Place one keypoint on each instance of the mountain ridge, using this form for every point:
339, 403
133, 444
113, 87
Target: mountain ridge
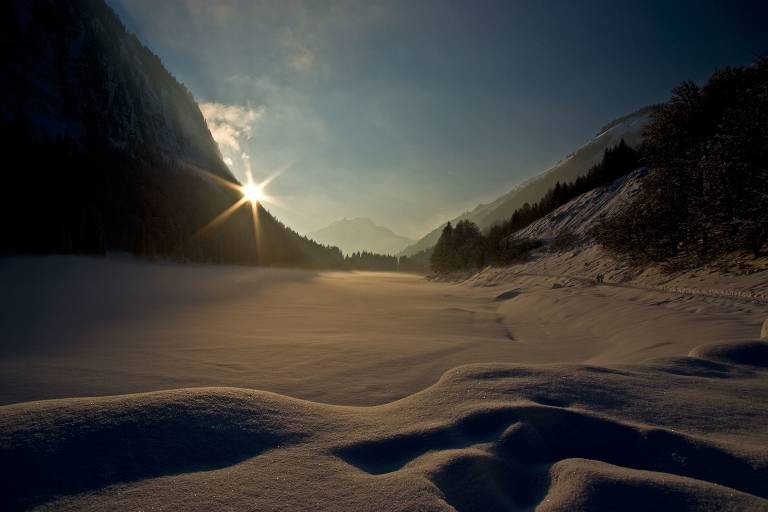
533, 188
360, 234
108, 151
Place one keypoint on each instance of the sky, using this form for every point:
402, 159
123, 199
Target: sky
410, 112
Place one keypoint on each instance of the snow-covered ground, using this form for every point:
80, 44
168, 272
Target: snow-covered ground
287, 390
737, 276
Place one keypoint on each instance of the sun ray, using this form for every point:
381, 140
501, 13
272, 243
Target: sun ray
277, 173
212, 177
251, 191
220, 218
257, 229
272, 200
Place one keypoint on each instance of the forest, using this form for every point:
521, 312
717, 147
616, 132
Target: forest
103, 148
705, 193
464, 247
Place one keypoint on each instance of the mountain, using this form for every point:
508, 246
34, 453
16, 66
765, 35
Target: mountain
360, 234
104, 150
581, 214
576, 164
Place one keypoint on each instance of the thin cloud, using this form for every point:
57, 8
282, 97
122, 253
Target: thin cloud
231, 126
300, 55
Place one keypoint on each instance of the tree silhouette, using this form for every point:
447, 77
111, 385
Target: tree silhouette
707, 190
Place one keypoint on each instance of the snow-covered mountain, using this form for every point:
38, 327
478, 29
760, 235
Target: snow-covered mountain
576, 164
582, 213
360, 234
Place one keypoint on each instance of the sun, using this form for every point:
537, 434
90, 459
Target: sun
253, 192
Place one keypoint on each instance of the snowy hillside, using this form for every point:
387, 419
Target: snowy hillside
577, 164
579, 215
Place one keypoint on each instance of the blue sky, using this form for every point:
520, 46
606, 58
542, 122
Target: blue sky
410, 112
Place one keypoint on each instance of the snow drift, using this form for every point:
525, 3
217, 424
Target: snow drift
485, 437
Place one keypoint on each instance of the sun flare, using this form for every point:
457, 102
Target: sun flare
250, 192
253, 192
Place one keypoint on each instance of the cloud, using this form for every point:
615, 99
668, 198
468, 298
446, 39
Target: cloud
231, 126
299, 56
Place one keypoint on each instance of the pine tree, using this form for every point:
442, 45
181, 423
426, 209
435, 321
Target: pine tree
705, 194
442, 255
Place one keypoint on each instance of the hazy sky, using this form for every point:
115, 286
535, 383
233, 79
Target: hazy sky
412, 112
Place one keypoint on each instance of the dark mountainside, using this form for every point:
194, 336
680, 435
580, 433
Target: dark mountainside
573, 166
105, 150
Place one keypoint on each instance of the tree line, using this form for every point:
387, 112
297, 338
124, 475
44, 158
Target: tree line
706, 192
365, 260
464, 247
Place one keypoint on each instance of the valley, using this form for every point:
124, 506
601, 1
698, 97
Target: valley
235, 275
284, 389
351, 338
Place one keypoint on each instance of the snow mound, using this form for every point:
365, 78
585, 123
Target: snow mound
484, 437
76, 445
752, 353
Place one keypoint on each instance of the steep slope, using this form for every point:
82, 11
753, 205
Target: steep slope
360, 234
579, 260
104, 148
76, 74
579, 215
577, 164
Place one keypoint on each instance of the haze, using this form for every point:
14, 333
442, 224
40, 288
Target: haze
411, 112
271, 255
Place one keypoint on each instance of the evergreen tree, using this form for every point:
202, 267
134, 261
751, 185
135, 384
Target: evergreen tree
442, 255
419, 262
464, 247
706, 192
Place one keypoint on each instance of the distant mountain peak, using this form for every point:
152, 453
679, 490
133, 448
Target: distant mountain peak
360, 234
355, 220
